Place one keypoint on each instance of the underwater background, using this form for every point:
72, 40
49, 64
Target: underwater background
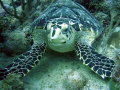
57, 71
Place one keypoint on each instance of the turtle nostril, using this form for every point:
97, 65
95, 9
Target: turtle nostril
66, 30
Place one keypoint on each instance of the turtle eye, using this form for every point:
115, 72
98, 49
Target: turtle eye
66, 30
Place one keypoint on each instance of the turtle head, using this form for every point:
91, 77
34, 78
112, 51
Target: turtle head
60, 34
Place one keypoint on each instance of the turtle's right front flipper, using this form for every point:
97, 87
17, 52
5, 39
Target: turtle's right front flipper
25, 62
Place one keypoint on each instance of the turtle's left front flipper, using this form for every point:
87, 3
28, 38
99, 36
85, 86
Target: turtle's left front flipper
97, 62
25, 62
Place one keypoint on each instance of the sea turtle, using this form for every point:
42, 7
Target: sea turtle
67, 26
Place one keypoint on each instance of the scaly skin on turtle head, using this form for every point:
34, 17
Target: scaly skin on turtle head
61, 35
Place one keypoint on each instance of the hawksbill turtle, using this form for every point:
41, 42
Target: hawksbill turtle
67, 26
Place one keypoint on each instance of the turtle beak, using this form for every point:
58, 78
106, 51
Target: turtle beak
56, 36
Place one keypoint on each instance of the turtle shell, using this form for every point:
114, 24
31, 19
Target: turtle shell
72, 11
